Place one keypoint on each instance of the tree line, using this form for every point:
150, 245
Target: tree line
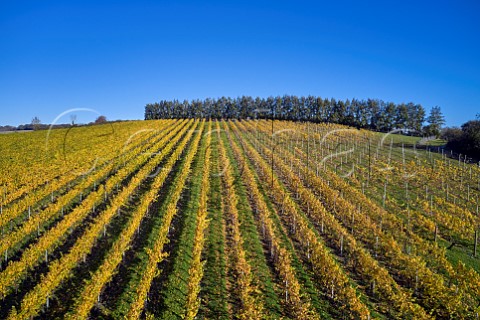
373, 114
37, 124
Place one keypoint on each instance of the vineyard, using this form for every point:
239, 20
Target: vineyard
251, 219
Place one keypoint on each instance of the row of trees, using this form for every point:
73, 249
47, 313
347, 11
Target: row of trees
37, 124
373, 114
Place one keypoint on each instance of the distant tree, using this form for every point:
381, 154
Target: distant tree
73, 118
373, 113
420, 117
36, 123
436, 120
363, 114
101, 119
429, 131
416, 117
450, 133
352, 112
386, 119
319, 110
7, 128
334, 114
471, 134
469, 140
401, 116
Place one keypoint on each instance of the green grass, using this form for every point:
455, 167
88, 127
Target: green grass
436, 143
463, 254
397, 138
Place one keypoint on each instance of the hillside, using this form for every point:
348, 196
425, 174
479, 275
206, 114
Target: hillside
249, 219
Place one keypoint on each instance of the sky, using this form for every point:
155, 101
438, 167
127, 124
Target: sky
113, 57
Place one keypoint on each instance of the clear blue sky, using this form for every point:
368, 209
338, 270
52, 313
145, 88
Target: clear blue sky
116, 56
